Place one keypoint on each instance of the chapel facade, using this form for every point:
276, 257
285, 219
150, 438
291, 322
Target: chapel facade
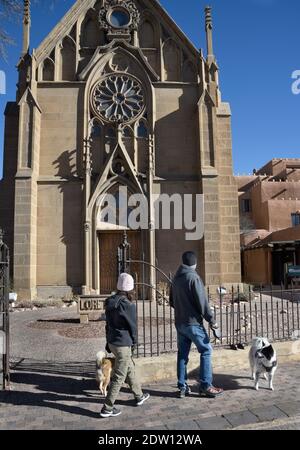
116, 95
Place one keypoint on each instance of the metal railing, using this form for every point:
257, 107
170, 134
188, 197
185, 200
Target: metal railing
272, 313
4, 313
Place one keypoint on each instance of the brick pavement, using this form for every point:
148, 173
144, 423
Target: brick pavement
64, 396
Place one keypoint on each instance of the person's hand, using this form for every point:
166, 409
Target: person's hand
133, 348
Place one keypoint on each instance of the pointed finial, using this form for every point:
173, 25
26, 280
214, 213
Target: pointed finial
209, 28
208, 18
26, 11
26, 27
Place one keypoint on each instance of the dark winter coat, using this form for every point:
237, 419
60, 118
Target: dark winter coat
120, 321
189, 299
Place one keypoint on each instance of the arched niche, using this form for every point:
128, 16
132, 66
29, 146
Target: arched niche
147, 38
48, 70
68, 59
128, 141
142, 133
172, 61
189, 72
142, 129
91, 36
97, 150
110, 140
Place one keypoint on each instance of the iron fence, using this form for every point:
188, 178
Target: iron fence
4, 313
272, 313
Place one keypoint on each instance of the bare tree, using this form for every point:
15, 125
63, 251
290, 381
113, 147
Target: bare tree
11, 10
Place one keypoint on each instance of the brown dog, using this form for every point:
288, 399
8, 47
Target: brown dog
104, 368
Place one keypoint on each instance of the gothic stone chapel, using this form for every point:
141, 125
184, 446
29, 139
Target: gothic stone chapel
116, 95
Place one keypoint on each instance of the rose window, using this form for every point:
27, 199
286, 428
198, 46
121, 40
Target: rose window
118, 98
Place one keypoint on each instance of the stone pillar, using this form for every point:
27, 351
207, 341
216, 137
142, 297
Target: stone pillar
210, 245
87, 224
25, 238
151, 173
228, 201
25, 221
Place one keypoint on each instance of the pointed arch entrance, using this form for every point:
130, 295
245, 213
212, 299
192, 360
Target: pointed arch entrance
110, 237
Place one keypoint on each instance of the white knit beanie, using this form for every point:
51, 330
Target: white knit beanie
125, 283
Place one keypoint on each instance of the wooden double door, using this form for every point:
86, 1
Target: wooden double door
108, 244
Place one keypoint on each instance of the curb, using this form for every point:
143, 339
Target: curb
163, 367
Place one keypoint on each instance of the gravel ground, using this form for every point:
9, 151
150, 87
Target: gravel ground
46, 343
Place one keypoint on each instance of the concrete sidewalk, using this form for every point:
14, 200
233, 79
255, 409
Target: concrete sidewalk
64, 396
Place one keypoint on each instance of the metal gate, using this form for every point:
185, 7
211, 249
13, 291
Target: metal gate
156, 331
4, 312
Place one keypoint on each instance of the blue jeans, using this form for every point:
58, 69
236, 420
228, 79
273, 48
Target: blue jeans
186, 334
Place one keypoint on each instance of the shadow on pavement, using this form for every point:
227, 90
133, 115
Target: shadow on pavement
228, 382
62, 387
67, 386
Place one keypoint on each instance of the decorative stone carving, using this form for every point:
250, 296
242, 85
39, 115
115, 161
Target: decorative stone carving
119, 18
119, 63
118, 99
87, 227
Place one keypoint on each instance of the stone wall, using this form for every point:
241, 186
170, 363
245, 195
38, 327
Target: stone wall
7, 187
59, 237
176, 132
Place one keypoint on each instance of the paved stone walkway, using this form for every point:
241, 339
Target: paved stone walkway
64, 396
51, 391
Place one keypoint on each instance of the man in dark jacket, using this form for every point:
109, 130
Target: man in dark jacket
121, 332
189, 300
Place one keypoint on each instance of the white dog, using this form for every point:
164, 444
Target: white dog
263, 361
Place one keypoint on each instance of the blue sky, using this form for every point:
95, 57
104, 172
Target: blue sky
257, 48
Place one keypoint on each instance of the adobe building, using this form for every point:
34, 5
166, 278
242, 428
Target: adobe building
269, 204
116, 95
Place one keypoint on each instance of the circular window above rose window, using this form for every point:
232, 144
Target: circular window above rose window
118, 99
119, 18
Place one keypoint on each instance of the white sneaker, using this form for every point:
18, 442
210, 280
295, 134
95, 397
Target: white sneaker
110, 412
140, 401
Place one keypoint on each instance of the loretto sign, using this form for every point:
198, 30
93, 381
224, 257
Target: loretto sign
90, 304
